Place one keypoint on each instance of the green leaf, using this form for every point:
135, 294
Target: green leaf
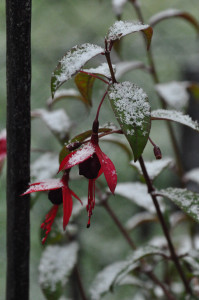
132, 110
118, 142
56, 265
187, 201
155, 167
126, 66
64, 94
57, 121
46, 166
72, 62
137, 193
192, 259
173, 13
140, 218
84, 82
121, 28
176, 116
115, 273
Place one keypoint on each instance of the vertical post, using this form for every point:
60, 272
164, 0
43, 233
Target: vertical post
18, 63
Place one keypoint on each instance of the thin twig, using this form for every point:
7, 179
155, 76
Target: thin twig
174, 257
79, 282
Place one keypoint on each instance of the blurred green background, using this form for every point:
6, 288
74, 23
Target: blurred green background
56, 27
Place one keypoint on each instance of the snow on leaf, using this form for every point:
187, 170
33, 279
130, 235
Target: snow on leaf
72, 62
173, 13
118, 6
56, 265
187, 201
155, 167
116, 273
137, 193
132, 110
121, 28
140, 218
192, 175
45, 166
126, 66
176, 116
57, 121
62, 94
104, 279
192, 260
174, 93
102, 69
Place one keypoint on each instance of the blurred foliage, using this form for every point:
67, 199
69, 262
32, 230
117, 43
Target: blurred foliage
56, 27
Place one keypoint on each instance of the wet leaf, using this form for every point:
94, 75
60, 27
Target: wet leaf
72, 62
121, 28
173, 13
132, 110
187, 201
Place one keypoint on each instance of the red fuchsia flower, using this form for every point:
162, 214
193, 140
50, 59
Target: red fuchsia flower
92, 163
59, 192
3, 147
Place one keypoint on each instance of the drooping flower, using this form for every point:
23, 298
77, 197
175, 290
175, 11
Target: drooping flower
59, 192
3, 147
92, 163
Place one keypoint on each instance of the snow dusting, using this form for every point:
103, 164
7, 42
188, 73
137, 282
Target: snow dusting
172, 12
155, 167
82, 154
137, 193
118, 6
174, 93
74, 60
176, 116
186, 200
192, 175
103, 281
126, 66
121, 28
48, 184
46, 166
130, 103
57, 121
103, 69
56, 265
3, 134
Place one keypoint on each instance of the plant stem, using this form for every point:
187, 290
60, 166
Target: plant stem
164, 106
108, 58
124, 232
93, 75
119, 225
174, 257
79, 282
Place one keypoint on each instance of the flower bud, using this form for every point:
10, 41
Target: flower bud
55, 196
157, 152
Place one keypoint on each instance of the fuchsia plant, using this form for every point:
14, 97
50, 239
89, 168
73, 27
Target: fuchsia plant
132, 110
